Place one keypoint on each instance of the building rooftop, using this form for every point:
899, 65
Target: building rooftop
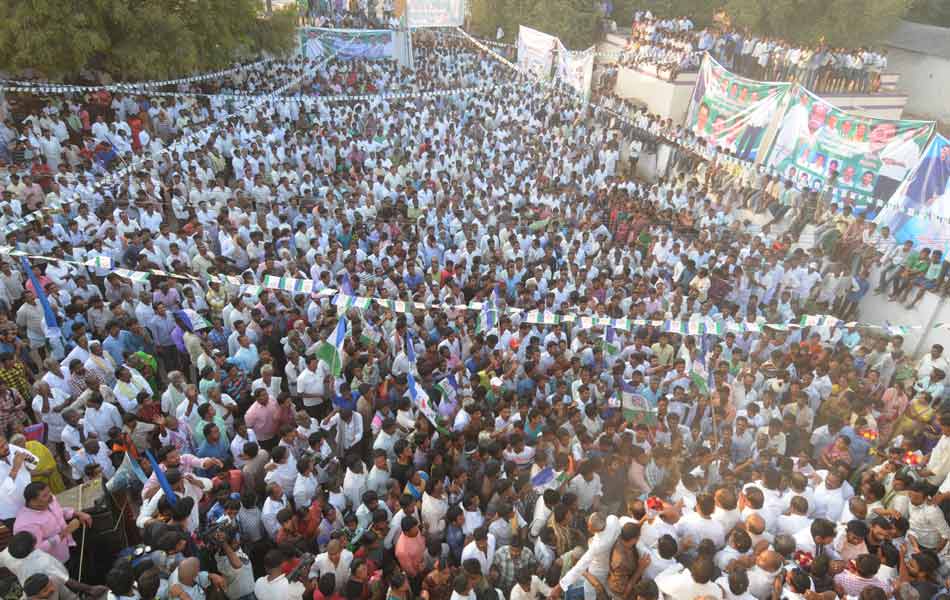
923, 39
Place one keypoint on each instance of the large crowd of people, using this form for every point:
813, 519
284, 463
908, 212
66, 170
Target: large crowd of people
437, 414
674, 45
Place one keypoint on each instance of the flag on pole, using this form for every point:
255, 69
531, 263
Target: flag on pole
420, 398
410, 348
191, 319
489, 317
611, 347
543, 477
52, 327
162, 480
331, 351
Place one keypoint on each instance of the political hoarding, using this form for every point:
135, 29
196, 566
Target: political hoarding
544, 56
731, 111
537, 52
367, 44
576, 69
870, 156
920, 208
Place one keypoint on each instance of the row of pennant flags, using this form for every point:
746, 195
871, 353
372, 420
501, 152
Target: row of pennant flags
697, 325
110, 180
345, 299
296, 97
496, 44
47, 87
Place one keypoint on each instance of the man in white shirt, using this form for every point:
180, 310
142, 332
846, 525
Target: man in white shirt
796, 520
15, 466
587, 487
699, 525
596, 560
275, 585
335, 560
695, 582
928, 526
938, 466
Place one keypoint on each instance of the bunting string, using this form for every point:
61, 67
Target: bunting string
49, 87
693, 325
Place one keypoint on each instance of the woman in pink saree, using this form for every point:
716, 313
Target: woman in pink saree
894, 402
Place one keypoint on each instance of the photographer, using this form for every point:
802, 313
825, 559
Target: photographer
234, 566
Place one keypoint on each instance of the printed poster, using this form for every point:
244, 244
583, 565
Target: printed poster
367, 44
537, 52
870, 156
920, 208
576, 69
731, 111
435, 13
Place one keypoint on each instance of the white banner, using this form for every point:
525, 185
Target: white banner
435, 13
577, 70
537, 51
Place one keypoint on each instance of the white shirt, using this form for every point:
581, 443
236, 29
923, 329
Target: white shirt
269, 515
792, 524
11, 489
98, 421
278, 589
586, 491
341, 570
194, 491
485, 559
696, 527
680, 585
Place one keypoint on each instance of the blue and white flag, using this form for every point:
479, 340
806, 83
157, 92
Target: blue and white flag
52, 326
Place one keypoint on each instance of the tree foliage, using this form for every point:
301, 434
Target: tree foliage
573, 21
838, 22
135, 39
931, 12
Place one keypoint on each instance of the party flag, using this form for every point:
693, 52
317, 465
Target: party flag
52, 327
331, 351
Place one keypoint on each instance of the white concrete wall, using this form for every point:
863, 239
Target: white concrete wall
669, 100
924, 79
931, 309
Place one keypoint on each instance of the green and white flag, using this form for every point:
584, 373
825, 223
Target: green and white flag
331, 351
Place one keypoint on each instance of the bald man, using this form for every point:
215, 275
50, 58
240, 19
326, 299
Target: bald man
188, 581
762, 575
755, 525
596, 560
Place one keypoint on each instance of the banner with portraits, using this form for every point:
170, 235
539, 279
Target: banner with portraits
366, 44
731, 111
920, 208
870, 157
435, 13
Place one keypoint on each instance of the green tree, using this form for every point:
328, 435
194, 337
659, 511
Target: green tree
136, 39
573, 21
931, 12
837, 22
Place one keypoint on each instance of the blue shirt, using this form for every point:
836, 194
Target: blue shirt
246, 358
161, 329
115, 348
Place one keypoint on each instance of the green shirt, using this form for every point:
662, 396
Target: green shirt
933, 271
